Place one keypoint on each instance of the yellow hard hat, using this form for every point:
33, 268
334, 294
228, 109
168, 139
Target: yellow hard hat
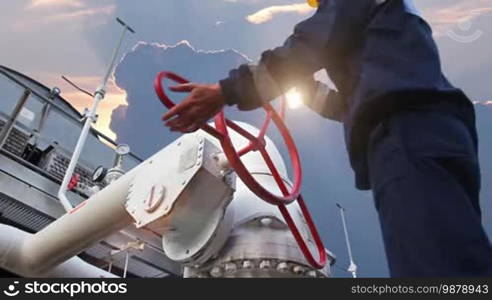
313, 3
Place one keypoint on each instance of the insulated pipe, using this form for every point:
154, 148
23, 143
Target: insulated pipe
101, 215
11, 259
53, 249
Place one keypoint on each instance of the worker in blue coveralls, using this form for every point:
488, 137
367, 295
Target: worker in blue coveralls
410, 133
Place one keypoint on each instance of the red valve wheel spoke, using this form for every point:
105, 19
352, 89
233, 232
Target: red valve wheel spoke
264, 128
276, 175
318, 264
241, 131
292, 225
247, 149
259, 144
254, 142
282, 107
248, 179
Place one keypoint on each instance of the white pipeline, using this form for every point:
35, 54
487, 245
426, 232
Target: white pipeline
53, 249
11, 259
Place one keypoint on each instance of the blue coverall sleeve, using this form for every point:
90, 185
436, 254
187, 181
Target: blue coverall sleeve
326, 102
316, 43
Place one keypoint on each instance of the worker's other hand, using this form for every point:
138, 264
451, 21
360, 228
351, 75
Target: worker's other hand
203, 102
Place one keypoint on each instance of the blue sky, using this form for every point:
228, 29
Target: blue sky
48, 38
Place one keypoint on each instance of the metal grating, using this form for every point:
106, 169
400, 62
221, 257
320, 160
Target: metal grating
143, 268
22, 214
17, 140
56, 164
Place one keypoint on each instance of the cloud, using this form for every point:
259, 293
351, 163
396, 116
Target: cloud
33, 4
267, 14
30, 23
448, 17
105, 110
114, 97
105, 10
135, 74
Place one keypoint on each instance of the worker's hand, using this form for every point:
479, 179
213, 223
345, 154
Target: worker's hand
203, 102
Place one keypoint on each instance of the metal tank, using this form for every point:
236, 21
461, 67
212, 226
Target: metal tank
260, 243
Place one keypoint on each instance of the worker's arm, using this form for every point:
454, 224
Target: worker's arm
318, 42
321, 41
326, 102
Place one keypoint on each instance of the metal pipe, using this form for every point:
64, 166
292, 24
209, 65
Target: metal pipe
76, 154
12, 259
7, 128
126, 264
44, 116
100, 216
90, 117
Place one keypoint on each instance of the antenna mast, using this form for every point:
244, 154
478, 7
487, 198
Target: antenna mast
90, 117
352, 267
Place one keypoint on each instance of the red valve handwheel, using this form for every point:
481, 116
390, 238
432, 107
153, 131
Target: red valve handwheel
258, 143
255, 144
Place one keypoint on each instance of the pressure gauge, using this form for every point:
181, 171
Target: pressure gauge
99, 174
122, 149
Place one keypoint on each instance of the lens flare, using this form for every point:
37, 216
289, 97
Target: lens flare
294, 99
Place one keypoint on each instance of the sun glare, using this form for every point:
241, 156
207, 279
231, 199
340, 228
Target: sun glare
294, 99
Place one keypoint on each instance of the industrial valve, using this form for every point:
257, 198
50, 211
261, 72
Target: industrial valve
257, 143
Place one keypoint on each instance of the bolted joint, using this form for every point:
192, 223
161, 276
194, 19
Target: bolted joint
283, 267
101, 92
230, 267
94, 118
298, 270
216, 272
265, 264
87, 114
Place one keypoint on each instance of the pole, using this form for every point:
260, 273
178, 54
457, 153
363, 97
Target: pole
4, 133
90, 118
352, 267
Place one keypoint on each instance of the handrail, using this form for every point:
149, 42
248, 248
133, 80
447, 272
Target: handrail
63, 110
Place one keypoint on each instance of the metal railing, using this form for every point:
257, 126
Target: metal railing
12, 122
62, 110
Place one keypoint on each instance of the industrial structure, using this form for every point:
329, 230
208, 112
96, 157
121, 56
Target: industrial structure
181, 212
